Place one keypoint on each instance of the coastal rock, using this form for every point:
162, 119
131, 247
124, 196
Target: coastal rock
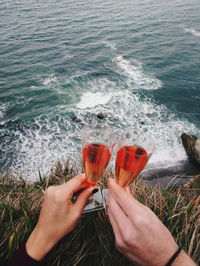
76, 119
192, 147
101, 116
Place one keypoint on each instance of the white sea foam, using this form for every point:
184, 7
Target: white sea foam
89, 99
129, 110
50, 79
110, 45
34, 87
193, 32
56, 136
3, 108
40, 148
135, 73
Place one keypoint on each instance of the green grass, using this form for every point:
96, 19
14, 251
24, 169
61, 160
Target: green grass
92, 241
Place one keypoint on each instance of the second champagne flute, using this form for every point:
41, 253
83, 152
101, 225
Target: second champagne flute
134, 151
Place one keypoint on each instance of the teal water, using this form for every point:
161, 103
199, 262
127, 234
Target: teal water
138, 62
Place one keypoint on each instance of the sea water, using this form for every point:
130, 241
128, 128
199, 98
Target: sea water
137, 62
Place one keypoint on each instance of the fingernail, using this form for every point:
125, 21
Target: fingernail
95, 190
76, 194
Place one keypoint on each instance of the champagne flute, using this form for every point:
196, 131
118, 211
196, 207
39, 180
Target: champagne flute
97, 146
134, 150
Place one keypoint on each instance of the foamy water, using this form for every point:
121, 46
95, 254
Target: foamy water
111, 45
50, 80
89, 99
3, 108
193, 32
135, 73
51, 139
138, 64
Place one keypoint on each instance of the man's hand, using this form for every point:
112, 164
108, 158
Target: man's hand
58, 215
139, 234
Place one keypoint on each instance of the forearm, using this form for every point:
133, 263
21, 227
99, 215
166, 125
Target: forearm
37, 245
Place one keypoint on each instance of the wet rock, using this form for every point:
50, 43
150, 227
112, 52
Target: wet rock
73, 117
101, 116
76, 119
192, 147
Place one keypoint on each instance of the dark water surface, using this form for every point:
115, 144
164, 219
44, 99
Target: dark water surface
136, 61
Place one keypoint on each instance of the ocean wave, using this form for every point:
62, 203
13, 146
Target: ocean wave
110, 45
38, 145
135, 73
126, 110
3, 108
89, 99
34, 87
193, 32
50, 79
119, 88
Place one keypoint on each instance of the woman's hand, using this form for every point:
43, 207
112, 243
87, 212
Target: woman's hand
139, 234
58, 215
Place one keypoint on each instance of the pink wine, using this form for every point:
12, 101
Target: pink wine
129, 163
95, 159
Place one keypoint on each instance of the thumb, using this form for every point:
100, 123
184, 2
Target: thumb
83, 197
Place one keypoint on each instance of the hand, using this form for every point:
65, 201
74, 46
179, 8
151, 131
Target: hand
58, 215
139, 234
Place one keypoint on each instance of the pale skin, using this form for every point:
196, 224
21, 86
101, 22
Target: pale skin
58, 216
139, 234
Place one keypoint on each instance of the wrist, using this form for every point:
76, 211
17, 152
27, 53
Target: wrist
38, 245
173, 257
163, 255
183, 259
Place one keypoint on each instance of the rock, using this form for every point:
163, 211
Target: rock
197, 149
76, 119
73, 117
101, 116
192, 147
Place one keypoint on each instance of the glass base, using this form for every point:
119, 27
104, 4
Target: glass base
96, 202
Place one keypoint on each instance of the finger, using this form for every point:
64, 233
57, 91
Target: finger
82, 198
119, 216
118, 237
76, 180
73, 185
78, 192
123, 198
80, 188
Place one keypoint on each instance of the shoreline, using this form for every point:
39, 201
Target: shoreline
180, 174
154, 174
